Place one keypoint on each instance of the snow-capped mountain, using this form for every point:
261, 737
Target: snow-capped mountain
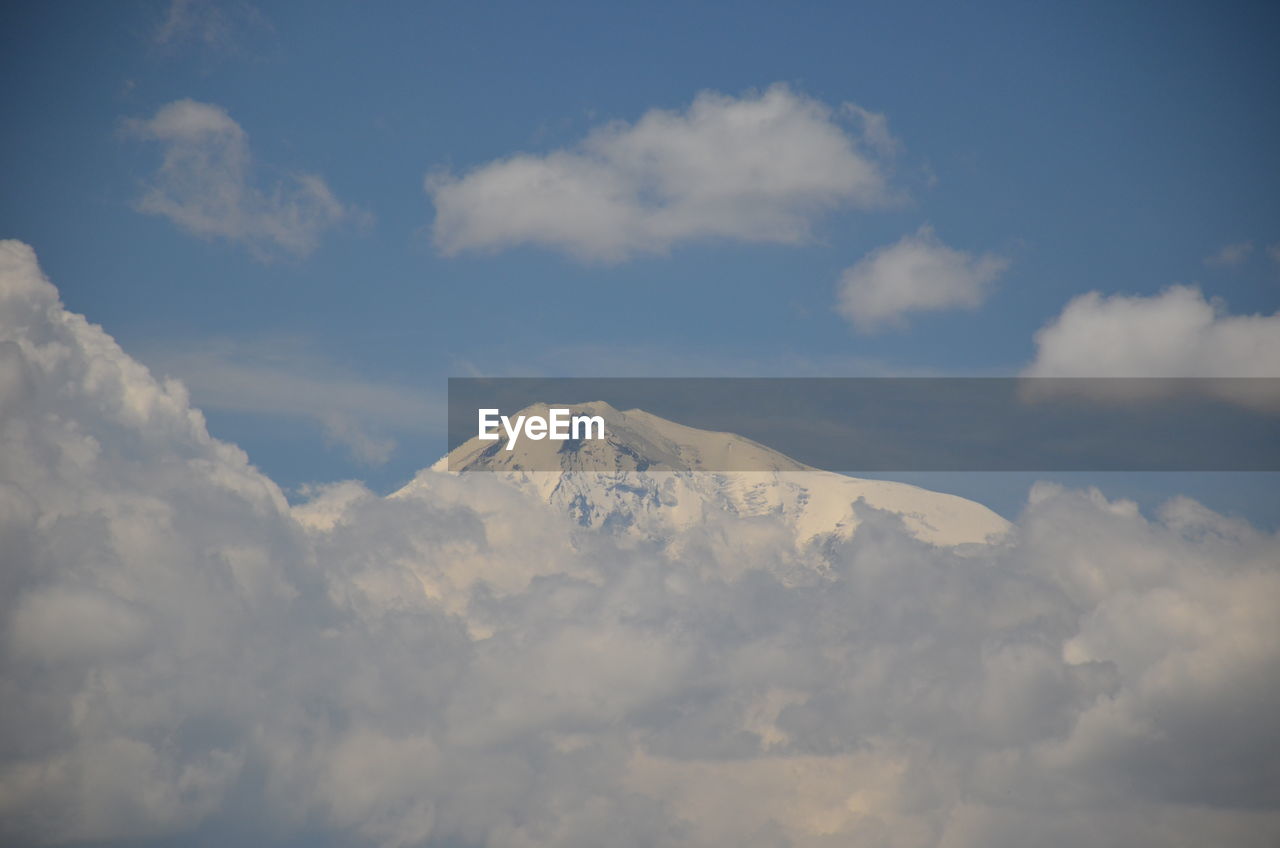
656, 490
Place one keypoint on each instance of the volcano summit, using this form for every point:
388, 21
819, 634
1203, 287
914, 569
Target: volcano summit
646, 477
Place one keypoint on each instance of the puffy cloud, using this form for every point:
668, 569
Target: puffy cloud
1231, 255
205, 185
185, 655
1177, 333
133, 545
761, 168
916, 273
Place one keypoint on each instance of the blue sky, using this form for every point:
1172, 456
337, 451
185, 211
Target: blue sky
310, 215
1117, 148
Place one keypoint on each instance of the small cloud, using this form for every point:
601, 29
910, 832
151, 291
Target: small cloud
1231, 256
205, 23
758, 168
917, 273
1273, 253
1176, 333
206, 185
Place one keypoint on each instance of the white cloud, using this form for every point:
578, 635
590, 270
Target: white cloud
916, 273
187, 658
1273, 251
1231, 255
1177, 333
206, 185
760, 168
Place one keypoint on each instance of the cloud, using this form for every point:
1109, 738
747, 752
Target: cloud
916, 273
284, 378
1231, 255
758, 168
206, 186
206, 24
1273, 251
186, 658
1176, 333
364, 448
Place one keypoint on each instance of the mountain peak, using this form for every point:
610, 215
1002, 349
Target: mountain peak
648, 477
634, 440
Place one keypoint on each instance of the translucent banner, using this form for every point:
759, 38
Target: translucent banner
865, 424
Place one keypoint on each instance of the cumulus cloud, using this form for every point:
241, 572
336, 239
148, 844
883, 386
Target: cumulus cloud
761, 168
1231, 255
914, 274
206, 185
1176, 333
186, 657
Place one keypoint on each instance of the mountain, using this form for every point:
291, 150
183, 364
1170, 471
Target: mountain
654, 487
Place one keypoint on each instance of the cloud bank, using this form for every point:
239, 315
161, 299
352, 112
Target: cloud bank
758, 168
206, 186
914, 274
187, 658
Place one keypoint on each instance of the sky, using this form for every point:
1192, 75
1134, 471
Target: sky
244, 245
314, 215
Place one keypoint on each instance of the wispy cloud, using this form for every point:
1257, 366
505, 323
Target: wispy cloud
915, 274
668, 359
761, 168
287, 379
206, 23
207, 185
1231, 255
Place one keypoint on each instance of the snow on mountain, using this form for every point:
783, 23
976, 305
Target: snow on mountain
656, 489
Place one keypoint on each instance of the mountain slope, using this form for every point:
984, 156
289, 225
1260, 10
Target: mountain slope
654, 487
